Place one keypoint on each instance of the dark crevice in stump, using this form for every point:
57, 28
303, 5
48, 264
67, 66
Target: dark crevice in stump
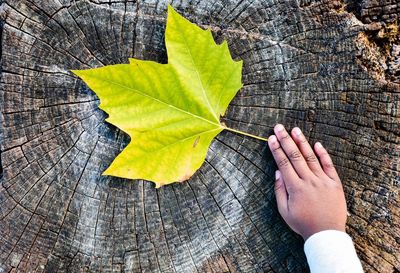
379, 44
368, 11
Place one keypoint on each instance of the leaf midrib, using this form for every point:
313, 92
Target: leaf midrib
200, 80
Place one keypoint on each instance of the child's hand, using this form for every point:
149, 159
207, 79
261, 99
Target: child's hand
310, 196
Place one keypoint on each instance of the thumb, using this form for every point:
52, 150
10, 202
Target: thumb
281, 194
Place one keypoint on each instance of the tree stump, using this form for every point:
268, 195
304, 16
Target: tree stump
329, 67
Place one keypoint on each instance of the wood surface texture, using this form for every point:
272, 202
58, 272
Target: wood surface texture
330, 67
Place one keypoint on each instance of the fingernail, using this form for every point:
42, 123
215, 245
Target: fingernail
318, 145
272, 139
297, 131
279, 127
277, 175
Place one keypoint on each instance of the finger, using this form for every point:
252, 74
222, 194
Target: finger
292, 152
307, 151
326, 162
284, 165
281, 194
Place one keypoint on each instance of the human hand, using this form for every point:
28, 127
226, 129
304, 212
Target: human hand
309, 194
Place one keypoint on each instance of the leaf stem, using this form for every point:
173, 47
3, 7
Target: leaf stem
244, 133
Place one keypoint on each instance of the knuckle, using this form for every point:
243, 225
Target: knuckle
314, 181
278, 186
295, 155
286, 136
276, 149
283, 162
303, 140
329, 165
293, 190
311, 158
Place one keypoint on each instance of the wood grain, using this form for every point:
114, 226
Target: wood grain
329, 67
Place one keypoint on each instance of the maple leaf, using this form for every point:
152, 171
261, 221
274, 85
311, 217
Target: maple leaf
171, 111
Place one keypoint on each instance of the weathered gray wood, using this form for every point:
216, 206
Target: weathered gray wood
330, 67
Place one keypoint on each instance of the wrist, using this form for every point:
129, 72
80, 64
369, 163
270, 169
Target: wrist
311, 231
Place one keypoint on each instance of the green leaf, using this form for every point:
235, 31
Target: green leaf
170, 111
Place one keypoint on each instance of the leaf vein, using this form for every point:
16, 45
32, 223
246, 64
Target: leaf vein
153, 98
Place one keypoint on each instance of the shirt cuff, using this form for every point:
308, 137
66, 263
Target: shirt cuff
331, 251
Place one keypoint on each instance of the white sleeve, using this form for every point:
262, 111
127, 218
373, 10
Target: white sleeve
332, 251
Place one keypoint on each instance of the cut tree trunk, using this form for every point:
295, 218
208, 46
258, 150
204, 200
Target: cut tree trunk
329, 67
